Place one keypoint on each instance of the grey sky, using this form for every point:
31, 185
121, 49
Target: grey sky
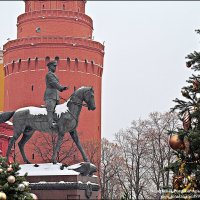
145, 48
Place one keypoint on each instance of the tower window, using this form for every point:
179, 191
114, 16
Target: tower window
33, 156
101, 71
38, 30
36, 62
47, 59
57, 58
63, 6
32, 87
43, 6
13, 65
19, 64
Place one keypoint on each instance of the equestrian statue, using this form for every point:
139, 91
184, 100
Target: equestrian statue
27, 120
59, 118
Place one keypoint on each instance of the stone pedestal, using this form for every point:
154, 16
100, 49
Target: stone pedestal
49, 183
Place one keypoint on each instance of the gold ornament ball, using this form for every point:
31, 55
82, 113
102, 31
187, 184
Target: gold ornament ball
175, 142
11, 179
34, 196
2, 196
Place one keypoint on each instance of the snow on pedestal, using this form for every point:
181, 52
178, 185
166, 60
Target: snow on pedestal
75, 166
46, 169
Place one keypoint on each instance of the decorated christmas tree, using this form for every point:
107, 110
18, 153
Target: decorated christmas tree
186, 141
13, 186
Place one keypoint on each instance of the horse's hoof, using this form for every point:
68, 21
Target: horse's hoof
54, 162
27, 162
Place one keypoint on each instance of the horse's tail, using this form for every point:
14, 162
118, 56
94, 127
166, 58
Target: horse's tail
5, 116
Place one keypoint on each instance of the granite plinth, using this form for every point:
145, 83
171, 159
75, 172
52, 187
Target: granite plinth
49, 182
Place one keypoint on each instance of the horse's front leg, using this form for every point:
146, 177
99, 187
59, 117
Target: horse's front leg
75, 137
57, 148
11, 143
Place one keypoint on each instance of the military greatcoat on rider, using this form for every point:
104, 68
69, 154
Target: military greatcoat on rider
51, 95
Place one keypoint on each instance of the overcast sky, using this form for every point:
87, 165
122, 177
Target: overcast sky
145, 48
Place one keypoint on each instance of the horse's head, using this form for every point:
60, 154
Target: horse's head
88, 97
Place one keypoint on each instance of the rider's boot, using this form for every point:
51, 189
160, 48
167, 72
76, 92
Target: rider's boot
52, 123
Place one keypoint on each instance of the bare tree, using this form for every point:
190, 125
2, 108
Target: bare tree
143, 152
160, 153
44, 145
111, 164
133, 145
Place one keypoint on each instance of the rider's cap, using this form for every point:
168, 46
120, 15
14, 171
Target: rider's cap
52, 63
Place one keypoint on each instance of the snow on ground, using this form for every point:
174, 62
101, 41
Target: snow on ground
46, 169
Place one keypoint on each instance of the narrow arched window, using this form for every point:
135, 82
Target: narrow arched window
13, 66
19, 64
47, 59
57, 58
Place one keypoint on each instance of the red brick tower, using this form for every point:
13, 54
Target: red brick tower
54, 30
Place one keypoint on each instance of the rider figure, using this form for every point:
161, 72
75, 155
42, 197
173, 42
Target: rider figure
51, 95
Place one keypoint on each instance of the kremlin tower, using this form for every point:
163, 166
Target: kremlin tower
51, 30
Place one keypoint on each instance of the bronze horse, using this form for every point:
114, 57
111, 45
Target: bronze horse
29, 119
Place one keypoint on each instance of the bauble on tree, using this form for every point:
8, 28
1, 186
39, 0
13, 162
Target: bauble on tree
2, 196
175, 142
